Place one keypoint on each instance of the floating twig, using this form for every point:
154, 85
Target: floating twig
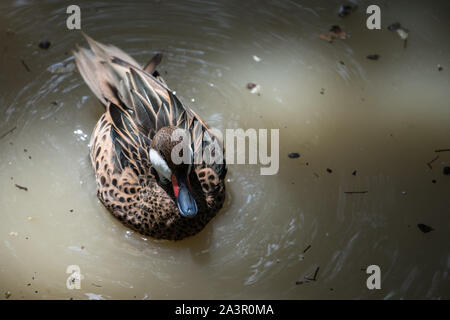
21, 187
44, 44
355, 192
25, 65
424, 228
429, 163
373, 57
315, 275
441, 150
8, 132
307, 248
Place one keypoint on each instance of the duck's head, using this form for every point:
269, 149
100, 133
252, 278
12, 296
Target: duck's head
170, 170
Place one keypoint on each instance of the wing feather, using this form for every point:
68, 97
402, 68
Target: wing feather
138, 102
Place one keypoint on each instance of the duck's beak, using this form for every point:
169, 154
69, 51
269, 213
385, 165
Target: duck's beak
185, 200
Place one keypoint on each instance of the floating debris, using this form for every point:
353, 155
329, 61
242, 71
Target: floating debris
404, 193
424, 228
446, 171
13, 234
44, 44
441, 150
394, 27
315, 275
30, 218
7, 294
440, 68
346, 9
307, 248
25, 65
21, 187
329, 170
433, 181
254, 88
354, 173
429, 163
8, 132
322, 91
401, 31
355, 192
335, 32
374, 57
294, 155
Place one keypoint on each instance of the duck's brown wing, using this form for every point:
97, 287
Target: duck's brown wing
142, 99
130, 145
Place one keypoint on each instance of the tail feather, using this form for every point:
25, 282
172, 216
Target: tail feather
96, 70
106, 52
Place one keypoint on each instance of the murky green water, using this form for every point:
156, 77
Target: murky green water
383, 119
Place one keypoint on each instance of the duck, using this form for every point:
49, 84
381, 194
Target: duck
132, 144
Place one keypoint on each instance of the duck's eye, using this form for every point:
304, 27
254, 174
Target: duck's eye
160, 165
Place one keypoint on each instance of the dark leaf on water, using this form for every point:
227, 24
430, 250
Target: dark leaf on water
294, 155
447, 171
44, 44
373, 57
424, 228
346, 9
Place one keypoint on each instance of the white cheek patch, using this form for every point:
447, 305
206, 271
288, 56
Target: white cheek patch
160, 165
